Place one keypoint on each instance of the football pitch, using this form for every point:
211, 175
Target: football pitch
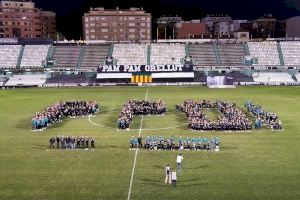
252, 165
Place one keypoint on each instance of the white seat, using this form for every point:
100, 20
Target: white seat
34, 55
26, 80
272, 77
9, 55
291, 53
167, 54
265, 52
130, 54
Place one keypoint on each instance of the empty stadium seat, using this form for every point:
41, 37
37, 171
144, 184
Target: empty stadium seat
9, 55
291, 53
203, 54
167, 54
95, 55
265, 52
66, 56
26, 80
34, 55
130, 54
232, 54
272, 77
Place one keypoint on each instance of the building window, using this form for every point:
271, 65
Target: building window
131, 24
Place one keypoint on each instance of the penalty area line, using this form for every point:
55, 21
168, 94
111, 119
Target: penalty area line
136, 154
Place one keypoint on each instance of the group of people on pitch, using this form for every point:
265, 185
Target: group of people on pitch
138, 108
262, 116
232, 119
72, 143
56, 112
172, 143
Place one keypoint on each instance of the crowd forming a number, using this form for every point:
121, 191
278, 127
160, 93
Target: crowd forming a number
262, 116
59, 110
71, 143
232, 119
138, 108
172, 143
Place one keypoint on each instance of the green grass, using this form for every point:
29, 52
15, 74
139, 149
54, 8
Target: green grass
257, 165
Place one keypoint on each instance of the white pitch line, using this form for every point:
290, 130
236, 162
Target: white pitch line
135, 156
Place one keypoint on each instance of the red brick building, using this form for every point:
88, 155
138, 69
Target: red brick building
190, 29
133, 24
23, 19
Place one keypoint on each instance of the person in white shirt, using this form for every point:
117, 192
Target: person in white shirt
167, 173
179, 161
174, 178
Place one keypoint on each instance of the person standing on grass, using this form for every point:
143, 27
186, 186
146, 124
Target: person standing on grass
51, 143
92, 143
174, 178
57, 141
179, 162
167, 173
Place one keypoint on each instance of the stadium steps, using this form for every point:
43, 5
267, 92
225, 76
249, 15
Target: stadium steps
20, 57
111, 50
280, 54
293, 75
149, 55
50, 53
187, 50
217, 53
294, 78
110, 54
247, 49
80, 58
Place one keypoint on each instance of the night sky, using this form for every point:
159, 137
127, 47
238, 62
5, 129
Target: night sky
69, 12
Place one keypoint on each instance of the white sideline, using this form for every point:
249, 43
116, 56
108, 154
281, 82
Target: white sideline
135, 156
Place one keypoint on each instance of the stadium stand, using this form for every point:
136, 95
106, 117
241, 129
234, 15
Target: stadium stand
9, 55
34, 55
95, 55
2, 80
291, 53
297, 76
26, 80
265, 52
272, 77
167, 54
130, 54
232, 54
66, 56
71, 79
203, 54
